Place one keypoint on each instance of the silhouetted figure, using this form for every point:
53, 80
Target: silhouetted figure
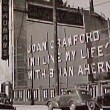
58, 2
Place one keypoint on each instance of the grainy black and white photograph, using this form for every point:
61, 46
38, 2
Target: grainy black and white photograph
55, 55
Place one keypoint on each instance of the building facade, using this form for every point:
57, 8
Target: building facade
7, 46
83, 50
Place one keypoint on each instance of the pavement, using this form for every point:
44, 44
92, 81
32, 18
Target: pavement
36, 107
31, 107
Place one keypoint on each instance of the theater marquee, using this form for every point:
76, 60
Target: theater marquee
5, 29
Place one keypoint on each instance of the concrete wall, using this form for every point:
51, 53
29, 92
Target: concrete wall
97, 22
20, 35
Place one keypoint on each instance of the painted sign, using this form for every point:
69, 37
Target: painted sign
84, 52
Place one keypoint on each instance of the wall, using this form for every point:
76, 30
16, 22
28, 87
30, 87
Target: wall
20, 35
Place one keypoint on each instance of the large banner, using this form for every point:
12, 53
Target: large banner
5, 29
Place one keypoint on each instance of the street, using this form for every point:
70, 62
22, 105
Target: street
31, 107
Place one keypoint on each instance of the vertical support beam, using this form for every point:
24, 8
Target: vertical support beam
56, 72
32, 92
99, 88
108, 22
12, 45
16, 53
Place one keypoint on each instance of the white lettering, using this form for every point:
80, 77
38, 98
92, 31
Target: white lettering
86, 69
38, 48
29, 75
51, 58
59, 43
82, 57
100, 51
96, 35
73, 54
71, 71
59, 57
93, 68
88, 53
92, 51
89, 37
82, 38
52, 44
44, 46
80, 70
75, 39
70, 40
37, 74
65, 72
33, 48
101, 67
29, 49
38, 60
64, 43
32, 61
51, 73
107, 66
44, 60
68, 56
44, 74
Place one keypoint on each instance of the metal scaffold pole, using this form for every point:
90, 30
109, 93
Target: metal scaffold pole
55, 49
